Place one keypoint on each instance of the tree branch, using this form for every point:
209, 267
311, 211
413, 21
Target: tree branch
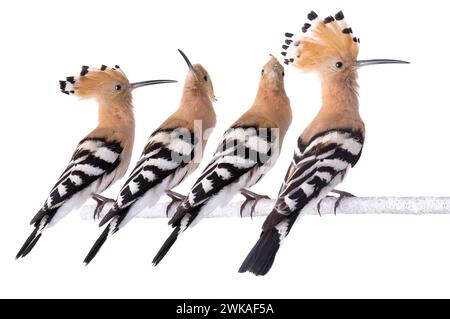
348, 205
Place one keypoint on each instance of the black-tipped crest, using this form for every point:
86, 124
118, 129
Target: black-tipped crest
312, 16
327, 37
339, 16
62, 87
305, 27
328, 19
89, 85
347, 30
66, 86
84, 70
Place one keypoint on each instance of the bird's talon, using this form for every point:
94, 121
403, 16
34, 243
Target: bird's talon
244, 204
320, 203
176, 199
251, 197
342, 195
101, 202
318, 207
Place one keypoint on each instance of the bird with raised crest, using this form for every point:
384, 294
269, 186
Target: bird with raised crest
103, 156
171, 154
332, 142
248, 149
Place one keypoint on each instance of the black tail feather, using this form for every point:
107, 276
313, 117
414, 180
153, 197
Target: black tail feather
29, 243
261, 257
166, 246
97, 245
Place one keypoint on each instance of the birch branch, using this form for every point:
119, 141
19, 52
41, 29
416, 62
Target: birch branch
349, 205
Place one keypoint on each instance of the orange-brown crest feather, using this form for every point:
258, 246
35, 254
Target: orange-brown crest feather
92, 81
321, 40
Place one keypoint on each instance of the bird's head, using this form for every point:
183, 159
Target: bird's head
198, 79
108, 85
327, 46
272, 75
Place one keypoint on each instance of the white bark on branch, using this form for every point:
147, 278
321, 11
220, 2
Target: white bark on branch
348, 205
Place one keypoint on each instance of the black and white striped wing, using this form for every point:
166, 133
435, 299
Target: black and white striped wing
243, 156
167, 154
295, 159
317, 168
93, 160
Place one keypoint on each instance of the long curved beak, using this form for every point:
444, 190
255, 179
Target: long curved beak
191, 67
361, 63
151, 82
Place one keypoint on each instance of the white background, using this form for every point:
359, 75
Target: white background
405, 108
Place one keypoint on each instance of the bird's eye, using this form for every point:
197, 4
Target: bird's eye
262, 72
282, 73
118, 87
339, 64
205, 78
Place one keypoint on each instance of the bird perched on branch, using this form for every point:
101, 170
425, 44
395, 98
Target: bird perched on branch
333, 141
102, 157
171, 154
249, 148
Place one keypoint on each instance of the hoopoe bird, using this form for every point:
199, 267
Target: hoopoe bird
171, 154
333, 141
103, 156
248, 149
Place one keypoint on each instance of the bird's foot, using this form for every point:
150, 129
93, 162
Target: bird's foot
320, 203
341, 196
101, 202
251, 197
177, 198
